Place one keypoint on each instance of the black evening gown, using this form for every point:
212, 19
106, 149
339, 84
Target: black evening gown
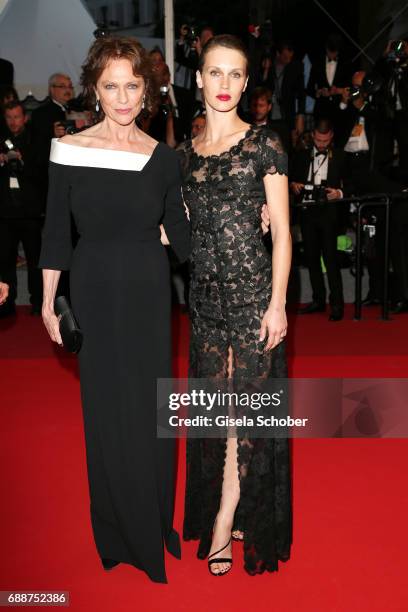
230, 290
120, 293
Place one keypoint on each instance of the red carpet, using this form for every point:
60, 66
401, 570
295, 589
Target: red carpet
350, 496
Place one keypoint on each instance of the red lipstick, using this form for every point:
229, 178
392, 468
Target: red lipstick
224, 97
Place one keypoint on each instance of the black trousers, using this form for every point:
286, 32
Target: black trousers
319, 227
401, 134
365, 180
28, 231
399, 247
396, 128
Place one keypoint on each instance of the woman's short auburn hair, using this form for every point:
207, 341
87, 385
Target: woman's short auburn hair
106, 49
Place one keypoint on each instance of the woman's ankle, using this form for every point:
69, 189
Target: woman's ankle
224, 520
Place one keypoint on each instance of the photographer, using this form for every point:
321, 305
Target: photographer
260, 108
329, 74
316, 181
360, 132
187, 53
47, 121
283, 75
20, 208
188, 50
165, 124
7, 94
393, 101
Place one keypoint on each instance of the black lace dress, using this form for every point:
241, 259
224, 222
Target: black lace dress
230, 290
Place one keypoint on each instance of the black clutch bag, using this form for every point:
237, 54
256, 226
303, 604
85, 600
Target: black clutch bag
70, 331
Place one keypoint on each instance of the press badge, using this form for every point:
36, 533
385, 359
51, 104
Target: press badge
14, 183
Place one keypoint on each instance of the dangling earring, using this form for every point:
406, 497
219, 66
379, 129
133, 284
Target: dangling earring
143, 101
97, 105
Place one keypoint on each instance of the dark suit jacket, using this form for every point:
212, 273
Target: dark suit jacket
157, 128
299, 171
325, 107
42, 126
292, 94
27, 201
185, 110
379, 164
345, 120
385, 96
6, 72
300, 165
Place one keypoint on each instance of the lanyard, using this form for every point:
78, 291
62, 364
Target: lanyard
314, 172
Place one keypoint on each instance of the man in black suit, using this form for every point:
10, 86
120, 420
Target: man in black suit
360, 131
46, 123
260, 107
328, 76
21, 208
393, 101
321, 168
167, 123
284, 77
46, 120
6, 72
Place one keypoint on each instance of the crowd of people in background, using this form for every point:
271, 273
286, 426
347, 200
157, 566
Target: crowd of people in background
345, 131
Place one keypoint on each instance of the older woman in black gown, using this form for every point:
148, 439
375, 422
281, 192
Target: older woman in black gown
119, 185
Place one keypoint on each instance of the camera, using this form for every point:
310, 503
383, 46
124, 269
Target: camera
15, 164
397, 51
192, 35
355, 91
69, 126
164, 107
371, 84
314, 194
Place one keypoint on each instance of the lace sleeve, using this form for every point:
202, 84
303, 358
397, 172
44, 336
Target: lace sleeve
273, 156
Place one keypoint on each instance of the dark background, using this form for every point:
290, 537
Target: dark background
303, 21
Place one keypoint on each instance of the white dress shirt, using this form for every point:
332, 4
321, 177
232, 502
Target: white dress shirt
358, 138
319, 167
331, 66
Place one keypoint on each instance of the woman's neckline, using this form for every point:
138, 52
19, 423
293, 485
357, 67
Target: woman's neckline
68, 144
231, 148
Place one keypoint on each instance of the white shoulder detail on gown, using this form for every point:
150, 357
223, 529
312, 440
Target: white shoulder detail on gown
93, 157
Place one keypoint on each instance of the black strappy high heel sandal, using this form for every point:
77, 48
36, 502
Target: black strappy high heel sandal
212, 560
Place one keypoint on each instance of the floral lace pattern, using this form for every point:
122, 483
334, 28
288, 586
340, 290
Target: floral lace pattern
229, 293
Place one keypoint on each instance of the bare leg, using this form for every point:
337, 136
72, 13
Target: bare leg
229, 499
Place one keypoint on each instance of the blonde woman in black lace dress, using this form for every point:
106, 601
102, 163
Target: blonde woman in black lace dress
238, 486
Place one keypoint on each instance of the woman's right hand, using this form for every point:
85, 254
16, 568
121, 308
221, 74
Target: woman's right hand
296, 188
52, 324
4, 291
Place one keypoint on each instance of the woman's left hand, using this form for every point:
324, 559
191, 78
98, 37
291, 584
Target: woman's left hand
163, 236
265, 219
274, 325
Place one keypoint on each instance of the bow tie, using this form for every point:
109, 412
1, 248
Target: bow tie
329, 61
320, 153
